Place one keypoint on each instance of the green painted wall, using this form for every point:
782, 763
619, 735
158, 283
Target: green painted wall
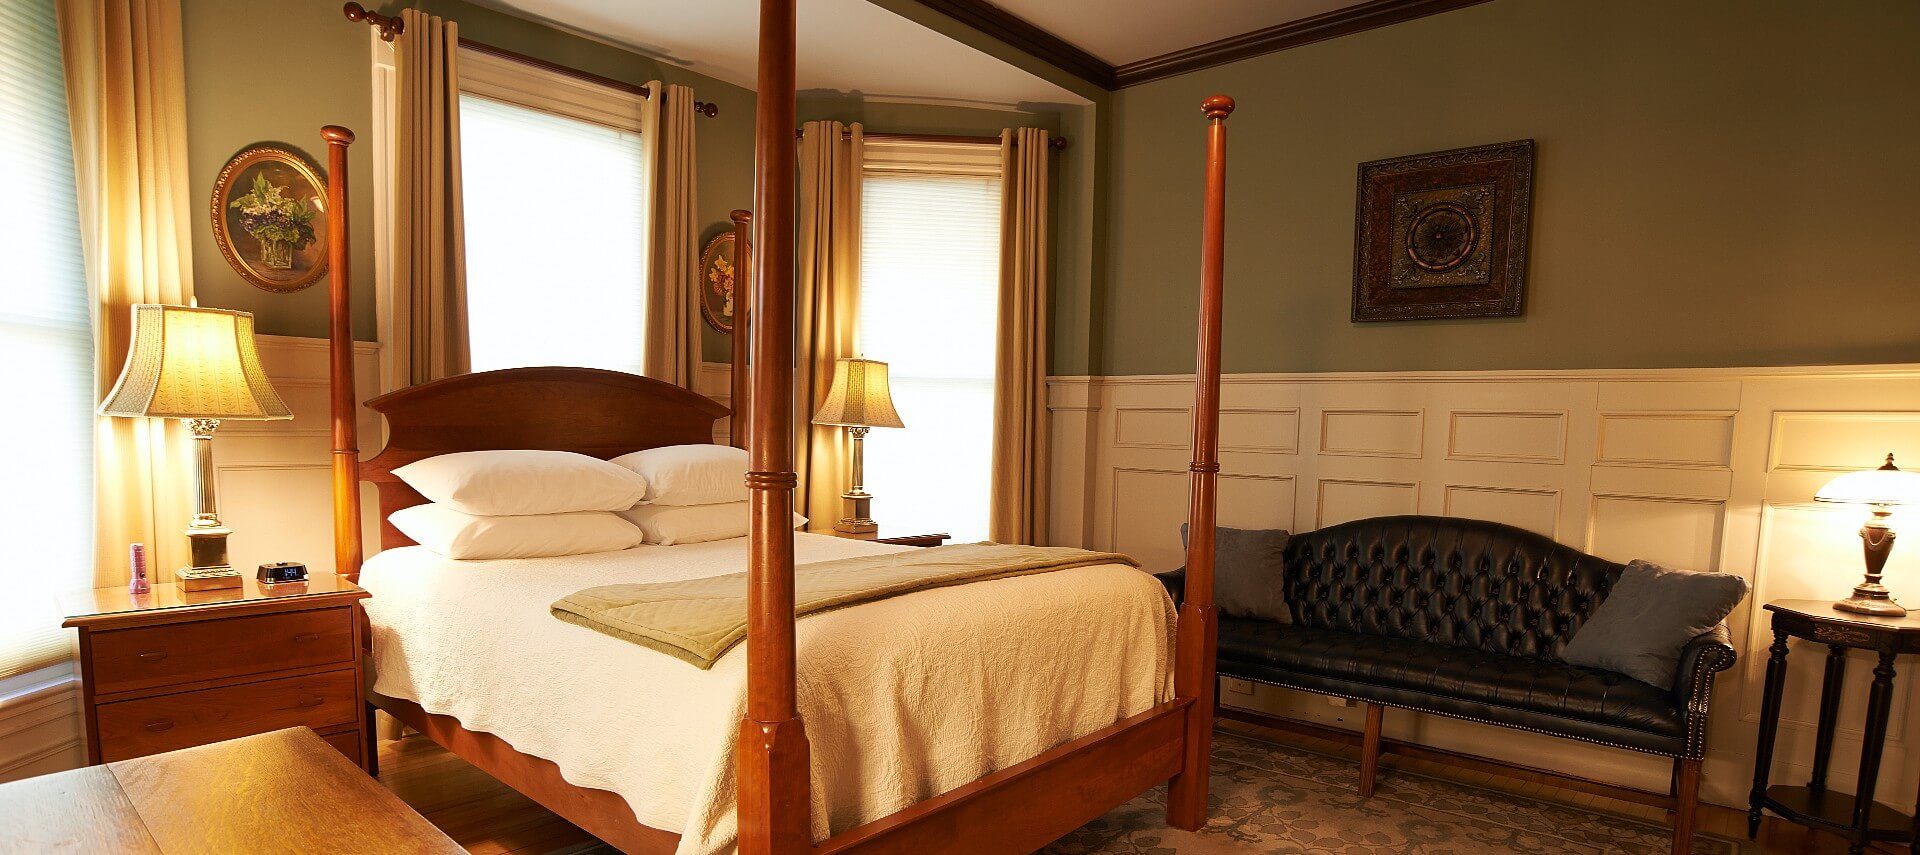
1719, 183
236, 97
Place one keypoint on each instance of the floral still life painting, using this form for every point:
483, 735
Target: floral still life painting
718, 264
266, 209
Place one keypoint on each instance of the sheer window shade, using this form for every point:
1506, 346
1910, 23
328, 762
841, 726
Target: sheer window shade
929, 294
46, 340
556, 238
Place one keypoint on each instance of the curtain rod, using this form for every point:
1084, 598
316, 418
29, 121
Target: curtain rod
1055, 143
392, 26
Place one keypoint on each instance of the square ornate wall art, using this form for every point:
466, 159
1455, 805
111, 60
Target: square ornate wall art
1443, 235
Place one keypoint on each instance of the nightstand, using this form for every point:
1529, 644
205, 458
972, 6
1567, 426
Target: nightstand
172, 669
896, 537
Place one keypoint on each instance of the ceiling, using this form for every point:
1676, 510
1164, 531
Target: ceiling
1124, 31
844, 46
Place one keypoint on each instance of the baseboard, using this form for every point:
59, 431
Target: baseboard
40, 726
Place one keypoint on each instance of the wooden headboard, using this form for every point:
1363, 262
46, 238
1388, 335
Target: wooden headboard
585, 410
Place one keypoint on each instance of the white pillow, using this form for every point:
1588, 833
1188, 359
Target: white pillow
667, 525
460, 535
513, 483
691, 474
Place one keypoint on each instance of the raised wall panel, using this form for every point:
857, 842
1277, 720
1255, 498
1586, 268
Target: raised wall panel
1342, 499
1370, 433
1681, 533
1254, 501
1536, 510
1260, 431
1148, 506
1696, 440
1511, 437
1840, 442
1152, 427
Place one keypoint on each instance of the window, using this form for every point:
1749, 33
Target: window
929, 296
556, 221
46, 340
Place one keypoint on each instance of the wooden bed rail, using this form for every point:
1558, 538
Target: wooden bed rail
343, 395
740, 396
1193, 674
772, 757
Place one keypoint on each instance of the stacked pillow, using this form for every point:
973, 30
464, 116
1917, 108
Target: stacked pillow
695, 493
519, 504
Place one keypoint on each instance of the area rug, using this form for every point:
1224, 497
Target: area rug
1269, 799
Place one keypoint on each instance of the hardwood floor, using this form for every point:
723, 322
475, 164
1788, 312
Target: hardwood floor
487, 818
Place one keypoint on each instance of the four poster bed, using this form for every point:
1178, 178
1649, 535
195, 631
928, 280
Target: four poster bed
1105, 731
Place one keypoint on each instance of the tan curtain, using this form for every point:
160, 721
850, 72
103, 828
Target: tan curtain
673, 246
430, 268
827, 308
1019, 378
126, 99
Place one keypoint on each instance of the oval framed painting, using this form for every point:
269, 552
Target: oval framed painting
718, 266
269, 217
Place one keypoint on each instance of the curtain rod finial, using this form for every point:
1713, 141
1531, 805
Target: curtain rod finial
336, 133
389, 27
706, 108
1217, 107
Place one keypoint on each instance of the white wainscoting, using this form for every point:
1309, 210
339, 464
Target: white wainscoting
1706, 469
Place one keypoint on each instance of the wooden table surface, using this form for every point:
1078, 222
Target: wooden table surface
285, 791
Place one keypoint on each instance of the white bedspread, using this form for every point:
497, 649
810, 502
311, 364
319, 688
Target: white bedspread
903, 699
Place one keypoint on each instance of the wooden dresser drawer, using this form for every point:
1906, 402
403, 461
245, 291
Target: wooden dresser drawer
166, 722
148, 657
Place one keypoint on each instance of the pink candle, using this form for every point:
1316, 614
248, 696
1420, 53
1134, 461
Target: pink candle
137, 564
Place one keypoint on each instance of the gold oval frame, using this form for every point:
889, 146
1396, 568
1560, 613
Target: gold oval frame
222, 194
707, 258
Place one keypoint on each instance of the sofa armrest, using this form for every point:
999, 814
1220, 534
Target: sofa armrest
1707, 654
1176, 582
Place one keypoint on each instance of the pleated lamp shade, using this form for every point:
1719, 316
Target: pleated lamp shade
860, 396
192, 363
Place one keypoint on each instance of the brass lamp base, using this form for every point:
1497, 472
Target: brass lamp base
859, 518
1870, 597
206, 578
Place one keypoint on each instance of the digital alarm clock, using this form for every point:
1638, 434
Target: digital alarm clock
282, 571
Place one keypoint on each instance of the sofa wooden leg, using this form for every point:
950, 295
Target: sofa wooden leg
1370, 749
1686, 803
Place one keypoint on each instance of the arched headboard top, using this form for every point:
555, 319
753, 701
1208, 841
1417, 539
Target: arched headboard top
590, 411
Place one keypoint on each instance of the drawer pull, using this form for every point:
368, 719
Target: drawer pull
160, 725
310, 702
153, 655
307, 637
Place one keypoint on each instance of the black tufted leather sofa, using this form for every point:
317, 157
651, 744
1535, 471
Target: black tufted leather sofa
1464, 618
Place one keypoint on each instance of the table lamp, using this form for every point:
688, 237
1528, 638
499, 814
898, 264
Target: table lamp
1880, 488
201, 366
858, 401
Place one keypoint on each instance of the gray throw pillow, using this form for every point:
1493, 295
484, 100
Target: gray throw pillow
1247, 577
1649, 617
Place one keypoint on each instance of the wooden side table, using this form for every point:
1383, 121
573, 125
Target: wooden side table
1858, 817
172, 669
888, 535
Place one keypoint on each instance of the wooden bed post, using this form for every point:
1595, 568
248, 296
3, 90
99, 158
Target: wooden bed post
741, 397
772, 753
1199, 628
344, 397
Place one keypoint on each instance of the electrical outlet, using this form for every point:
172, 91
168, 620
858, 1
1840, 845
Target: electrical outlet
1239, 686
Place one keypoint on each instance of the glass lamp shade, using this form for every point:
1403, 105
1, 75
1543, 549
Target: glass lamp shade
1887, 485
860, 396
192, 363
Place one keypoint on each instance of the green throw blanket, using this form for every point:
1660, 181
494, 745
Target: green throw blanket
699, 619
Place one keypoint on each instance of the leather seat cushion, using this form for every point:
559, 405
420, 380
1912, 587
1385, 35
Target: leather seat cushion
1535, 694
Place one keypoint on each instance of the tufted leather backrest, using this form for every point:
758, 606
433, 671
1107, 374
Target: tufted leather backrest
1469, 583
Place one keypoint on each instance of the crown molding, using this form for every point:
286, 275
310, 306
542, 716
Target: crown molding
1339, 22
1018, 33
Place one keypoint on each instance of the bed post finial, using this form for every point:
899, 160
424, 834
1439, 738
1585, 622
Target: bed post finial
1194, 675
741, 394
343, 397
771, 756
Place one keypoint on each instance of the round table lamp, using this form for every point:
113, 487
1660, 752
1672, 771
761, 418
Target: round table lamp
201, 366
860, 399
1881, 489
